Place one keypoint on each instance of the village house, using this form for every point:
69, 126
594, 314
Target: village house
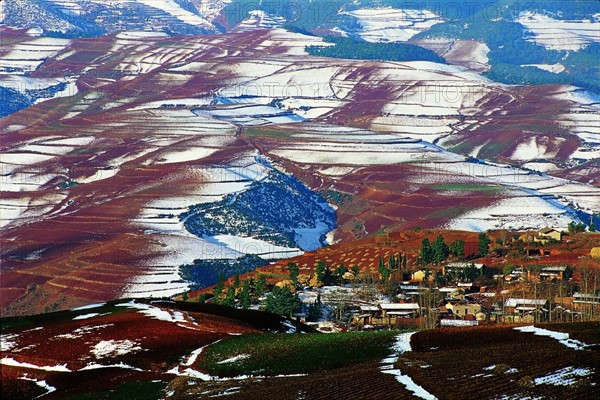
546, 235
452, 293
464, 309
555, 273
387, 314
460, 267
524, 310
422, 275
587, 303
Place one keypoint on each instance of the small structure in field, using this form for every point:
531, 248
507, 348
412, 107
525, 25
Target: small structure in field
546, 235
524, 310
555, 273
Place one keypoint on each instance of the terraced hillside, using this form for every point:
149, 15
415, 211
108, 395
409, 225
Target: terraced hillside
96, 179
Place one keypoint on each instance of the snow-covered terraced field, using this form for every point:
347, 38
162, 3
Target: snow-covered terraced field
559, 34
388, 24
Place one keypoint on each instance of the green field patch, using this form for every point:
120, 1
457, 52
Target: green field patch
256, 132
131, 391
466, 187
275, 354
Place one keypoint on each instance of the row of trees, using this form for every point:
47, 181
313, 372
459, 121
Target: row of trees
361, 50
243, 293
439, 251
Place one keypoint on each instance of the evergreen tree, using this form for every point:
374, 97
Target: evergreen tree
440, 249
355, 271
294, 272
230, 298
426, 252
383, 270
245, 299
282, 301
218, 292
340, 270
322, 272
261, 285
484, 243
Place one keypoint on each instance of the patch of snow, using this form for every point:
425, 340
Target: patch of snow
561, 337
248, 245
93, 366
14, 363
556, 34
87, 307
155, 312
112, 348
86, 316
554, 68
174, 9
8, 341
400, 346
564, 377
386, 24
234, 359
258, 19
43, 384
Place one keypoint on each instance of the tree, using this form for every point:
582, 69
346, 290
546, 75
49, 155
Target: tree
484, 243
426, 252
508, 269
236, 281
261, 285
322, 272
383, 270
576, 227
218, 292
230, 298
340, 271
314, 310
282, 301
440, 249
439, 279
245, 299
294, 272
457, 248
355, 271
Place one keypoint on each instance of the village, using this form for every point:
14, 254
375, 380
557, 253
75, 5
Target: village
457, 284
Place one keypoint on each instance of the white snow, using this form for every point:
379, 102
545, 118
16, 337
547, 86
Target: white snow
234, 359
402, 345
86, 316
561, 337
564, 377
554, 68
43, 384
210, 9
258, 19
112, 348
8, 341
172, 8
100, 366
151, 311
556, 34
87, 307
248, 245
14, 363
388, 24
